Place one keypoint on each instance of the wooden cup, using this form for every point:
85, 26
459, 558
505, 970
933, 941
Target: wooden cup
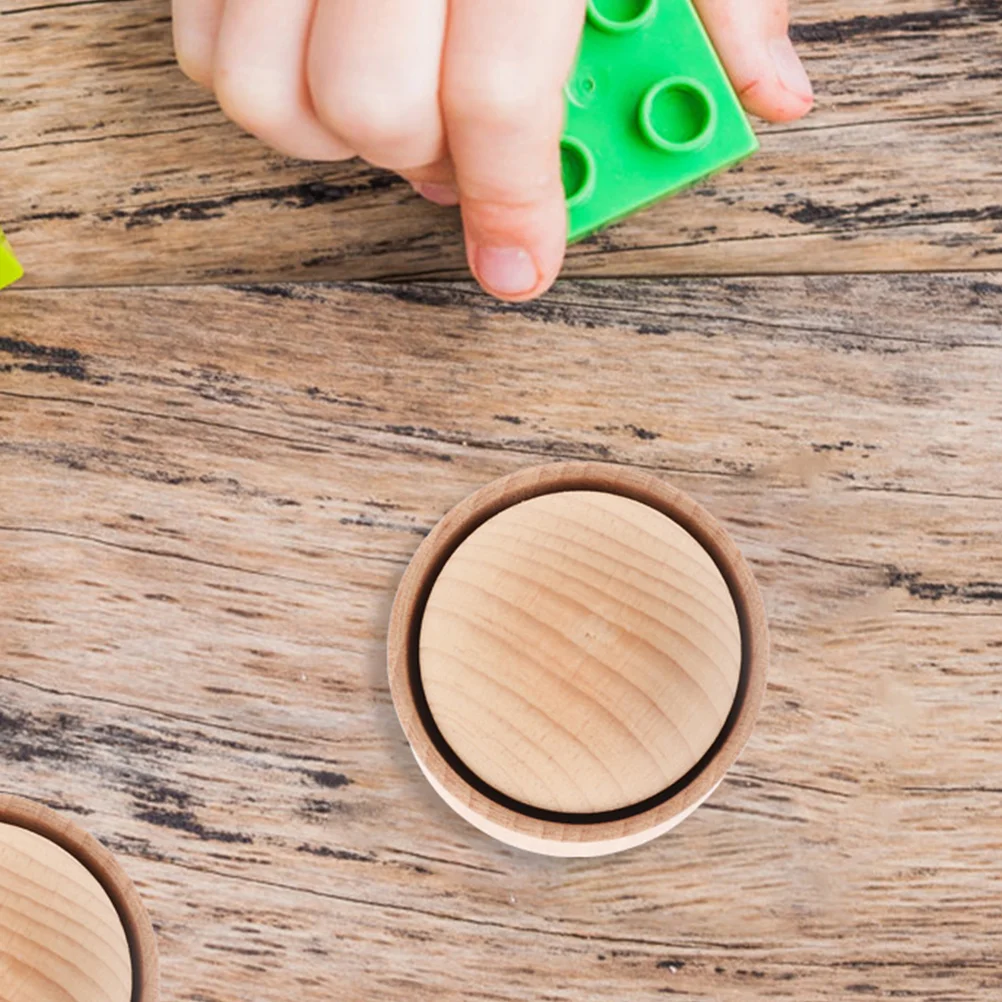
72, 925
577, 654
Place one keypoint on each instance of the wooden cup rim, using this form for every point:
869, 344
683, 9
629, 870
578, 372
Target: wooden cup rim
544, 831
109, 874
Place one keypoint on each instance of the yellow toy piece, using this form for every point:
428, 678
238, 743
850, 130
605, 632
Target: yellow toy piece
10, 267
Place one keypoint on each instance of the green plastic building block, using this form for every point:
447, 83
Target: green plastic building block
10, 269
649, 111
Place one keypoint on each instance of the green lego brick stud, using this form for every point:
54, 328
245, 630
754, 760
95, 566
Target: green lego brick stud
650, 111
10, 268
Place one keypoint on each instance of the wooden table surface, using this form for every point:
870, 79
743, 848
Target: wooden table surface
236, 391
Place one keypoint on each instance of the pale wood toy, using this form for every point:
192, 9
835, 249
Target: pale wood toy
72, 926
577, 654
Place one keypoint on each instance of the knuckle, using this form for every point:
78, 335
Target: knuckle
369, 117
251, 102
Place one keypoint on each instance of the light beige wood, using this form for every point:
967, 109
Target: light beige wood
518, 777
550, 843
580, 652
60, 936
72, 925
118, 170
205, 514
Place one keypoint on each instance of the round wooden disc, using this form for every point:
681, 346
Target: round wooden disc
580, 652
60, 935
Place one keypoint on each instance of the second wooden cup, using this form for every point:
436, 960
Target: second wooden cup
72, 925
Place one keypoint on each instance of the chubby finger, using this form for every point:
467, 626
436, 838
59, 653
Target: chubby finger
505, 66
195, 25
373, 70
752, 37
259, 77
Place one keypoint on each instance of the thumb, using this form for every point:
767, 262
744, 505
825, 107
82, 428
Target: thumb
752, 37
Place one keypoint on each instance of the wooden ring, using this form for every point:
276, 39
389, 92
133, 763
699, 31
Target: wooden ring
102, 865
529, 826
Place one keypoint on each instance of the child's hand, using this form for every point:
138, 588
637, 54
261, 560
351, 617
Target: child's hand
464, 98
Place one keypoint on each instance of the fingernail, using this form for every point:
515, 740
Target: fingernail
790, 69
440, 194
508, 271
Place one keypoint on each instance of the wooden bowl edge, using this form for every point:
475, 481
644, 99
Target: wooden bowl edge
108, 872
555, 837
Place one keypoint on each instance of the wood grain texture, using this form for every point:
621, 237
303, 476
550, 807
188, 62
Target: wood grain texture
208, 497
580, 652
517, 823
117, 170
60, 936
62, 839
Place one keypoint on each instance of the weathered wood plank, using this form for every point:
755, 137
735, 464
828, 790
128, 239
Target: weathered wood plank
116, 170
208, 495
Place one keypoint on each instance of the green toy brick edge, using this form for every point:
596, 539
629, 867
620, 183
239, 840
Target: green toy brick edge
576, 235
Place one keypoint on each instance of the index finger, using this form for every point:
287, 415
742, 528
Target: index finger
504, 70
